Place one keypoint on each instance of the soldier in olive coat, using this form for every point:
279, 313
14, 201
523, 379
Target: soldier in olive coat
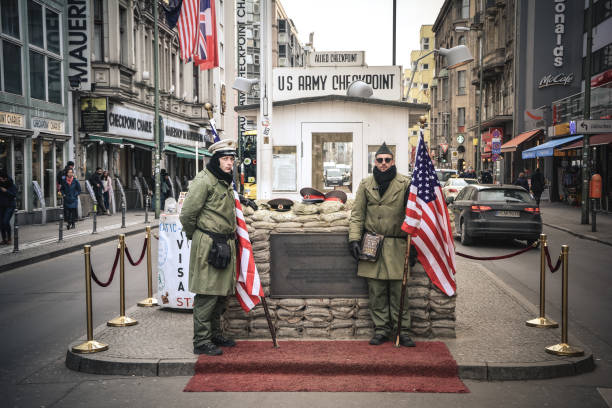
208, 217
380, 207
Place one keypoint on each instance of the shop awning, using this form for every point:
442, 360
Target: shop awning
140, 142
595, 140
548, 148
201, 150
512, 145
105, 139
180, 152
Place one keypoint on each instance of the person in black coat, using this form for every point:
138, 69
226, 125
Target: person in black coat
8, 202
522, 181
538, 183
97, 184
62, 174
70, 189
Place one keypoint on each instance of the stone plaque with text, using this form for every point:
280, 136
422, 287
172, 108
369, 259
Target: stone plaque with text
313, 265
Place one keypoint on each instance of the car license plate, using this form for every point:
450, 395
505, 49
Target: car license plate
515, 214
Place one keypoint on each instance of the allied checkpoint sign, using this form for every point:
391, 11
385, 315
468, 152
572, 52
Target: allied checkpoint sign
173, 264
293, 83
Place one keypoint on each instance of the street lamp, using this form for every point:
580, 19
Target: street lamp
462, 30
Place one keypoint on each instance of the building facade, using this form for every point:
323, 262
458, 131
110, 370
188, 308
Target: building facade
34, 104
420, 91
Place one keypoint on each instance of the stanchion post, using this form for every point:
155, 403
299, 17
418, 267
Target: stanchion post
91, 345
149, 301
542, 321
147, 204
563, 348
16, 232
60, 232
122, 213
122, 320
95, 218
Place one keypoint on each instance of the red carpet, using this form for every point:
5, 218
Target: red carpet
333, 366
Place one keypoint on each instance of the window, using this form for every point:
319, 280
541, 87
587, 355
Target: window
445, 89
415, 84
465, 9
282, 26
98, 45
425, 86
425, 66
460, 117
123, 50
10, 48
45, 53
461, 89
461, 40
282, 51
284, 167
425, 43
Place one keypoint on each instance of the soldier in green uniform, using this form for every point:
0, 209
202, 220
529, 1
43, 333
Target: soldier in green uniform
208, 217
380, 207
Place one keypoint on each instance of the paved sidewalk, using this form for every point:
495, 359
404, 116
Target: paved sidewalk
40, 242
493, 342
567, 218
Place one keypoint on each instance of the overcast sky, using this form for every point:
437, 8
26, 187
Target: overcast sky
363, 25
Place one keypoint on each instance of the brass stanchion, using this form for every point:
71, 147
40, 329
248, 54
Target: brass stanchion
122, 320
542, 321
150, 300
91, 345
563, 348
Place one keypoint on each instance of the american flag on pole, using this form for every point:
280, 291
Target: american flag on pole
206, 55
428, 223
248, 289
188, 28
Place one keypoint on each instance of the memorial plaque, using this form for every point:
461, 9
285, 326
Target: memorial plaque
313, 265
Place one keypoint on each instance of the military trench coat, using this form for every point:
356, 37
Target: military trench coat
382, 216
209, 206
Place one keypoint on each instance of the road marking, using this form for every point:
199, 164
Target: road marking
606, 394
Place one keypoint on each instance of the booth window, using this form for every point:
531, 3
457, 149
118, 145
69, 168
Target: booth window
372, 154
284, 165
332, 161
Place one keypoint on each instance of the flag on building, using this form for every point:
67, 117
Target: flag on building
248, 288
188, 28
428, 223
207, 55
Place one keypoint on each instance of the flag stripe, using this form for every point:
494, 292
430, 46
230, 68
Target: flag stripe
187, 28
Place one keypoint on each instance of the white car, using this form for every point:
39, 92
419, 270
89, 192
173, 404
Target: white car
445, 174
453, 186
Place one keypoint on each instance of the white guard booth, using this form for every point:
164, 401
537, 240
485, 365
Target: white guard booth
173, 264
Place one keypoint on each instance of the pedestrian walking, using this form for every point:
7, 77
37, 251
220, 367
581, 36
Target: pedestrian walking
106, 190
62, 174
8, 202
208, 217
96, 183
379, 208
70, 189
538, 183
165, 188
522, 181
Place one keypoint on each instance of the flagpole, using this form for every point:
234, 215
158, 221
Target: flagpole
158, 148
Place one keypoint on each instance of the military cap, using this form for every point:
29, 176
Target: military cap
311, 195
383, 150
280, 204
336, 195
225, 147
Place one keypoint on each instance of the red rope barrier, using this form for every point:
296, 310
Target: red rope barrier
112, 274
142, 254
557, 266
495, 258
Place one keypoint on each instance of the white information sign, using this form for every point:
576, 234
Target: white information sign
336, 58
292, 83
173, 264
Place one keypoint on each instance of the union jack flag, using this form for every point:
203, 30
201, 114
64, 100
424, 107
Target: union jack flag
248, 290
206, 55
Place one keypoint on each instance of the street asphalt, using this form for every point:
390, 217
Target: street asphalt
493, 342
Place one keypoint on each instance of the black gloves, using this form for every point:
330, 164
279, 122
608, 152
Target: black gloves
354, 249
413, 255
248, 202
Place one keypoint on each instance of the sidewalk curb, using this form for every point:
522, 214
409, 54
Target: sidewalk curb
578, 234
100, 238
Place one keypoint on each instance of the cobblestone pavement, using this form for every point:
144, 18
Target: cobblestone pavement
492, 341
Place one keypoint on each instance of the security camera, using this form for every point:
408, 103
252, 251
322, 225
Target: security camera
75, 82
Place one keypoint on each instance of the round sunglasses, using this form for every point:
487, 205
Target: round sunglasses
386, 159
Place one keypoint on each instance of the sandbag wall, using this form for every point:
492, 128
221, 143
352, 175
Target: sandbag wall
432, 312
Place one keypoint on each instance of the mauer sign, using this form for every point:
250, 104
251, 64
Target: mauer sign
336, 58
79, 67
292, 83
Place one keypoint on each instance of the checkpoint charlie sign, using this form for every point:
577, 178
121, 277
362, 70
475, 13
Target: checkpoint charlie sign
336, 58
293, 83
